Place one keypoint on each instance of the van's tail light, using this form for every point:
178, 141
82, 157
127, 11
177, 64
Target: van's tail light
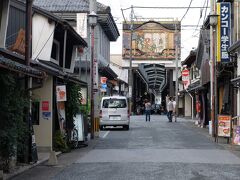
100, 114
128, 114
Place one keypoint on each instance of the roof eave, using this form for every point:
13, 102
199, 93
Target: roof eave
62, 22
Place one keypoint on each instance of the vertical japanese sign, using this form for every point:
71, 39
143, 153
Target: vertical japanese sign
84, 95
95, 75
103, 84
94, 64
61, 93
223, 31
82, 24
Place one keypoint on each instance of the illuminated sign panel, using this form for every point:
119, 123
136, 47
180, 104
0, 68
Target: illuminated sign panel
150, 41
224, 31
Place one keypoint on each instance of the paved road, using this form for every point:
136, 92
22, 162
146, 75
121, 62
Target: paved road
149, 150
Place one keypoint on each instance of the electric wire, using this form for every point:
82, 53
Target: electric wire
189, 7
162, 7
201, 10
186, 10
52, 31
205, 11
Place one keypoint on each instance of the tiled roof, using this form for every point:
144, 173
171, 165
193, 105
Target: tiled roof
67, 5
105, 18
15, 66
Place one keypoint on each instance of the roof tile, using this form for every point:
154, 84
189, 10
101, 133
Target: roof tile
67, 5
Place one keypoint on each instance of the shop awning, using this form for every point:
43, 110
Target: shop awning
20, 68
234, 47
107, 72
236, 82
195, 86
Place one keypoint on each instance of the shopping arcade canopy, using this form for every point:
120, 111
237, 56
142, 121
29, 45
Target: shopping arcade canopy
155, 75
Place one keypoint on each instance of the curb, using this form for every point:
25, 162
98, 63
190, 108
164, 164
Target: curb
22, 169
27, 167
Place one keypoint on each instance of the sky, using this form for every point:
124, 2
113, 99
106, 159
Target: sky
189, 30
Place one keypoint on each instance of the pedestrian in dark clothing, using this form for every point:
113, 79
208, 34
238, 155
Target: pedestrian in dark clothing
147, 110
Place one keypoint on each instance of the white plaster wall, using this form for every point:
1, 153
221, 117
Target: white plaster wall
4, 20
43, 131
42, 33
180, 102
188, 106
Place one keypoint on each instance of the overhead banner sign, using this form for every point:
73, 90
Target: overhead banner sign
223, 31
150, 40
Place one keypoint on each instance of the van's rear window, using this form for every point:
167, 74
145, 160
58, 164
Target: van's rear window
114, 103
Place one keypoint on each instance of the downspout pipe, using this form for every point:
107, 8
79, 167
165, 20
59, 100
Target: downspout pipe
191, 99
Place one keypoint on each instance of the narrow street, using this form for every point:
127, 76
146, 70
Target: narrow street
149, 150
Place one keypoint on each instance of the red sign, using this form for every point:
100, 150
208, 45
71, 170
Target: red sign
45, 105
185, 76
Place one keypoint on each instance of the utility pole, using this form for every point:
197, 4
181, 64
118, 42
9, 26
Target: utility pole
213, 75
32, 152
92, 20
176, 69
130, 78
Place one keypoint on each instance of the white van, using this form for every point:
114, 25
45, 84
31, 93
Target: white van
114, 112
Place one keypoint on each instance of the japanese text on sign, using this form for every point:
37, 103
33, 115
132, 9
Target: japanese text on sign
224, 125
224, 30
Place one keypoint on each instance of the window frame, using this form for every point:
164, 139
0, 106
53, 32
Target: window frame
56, 61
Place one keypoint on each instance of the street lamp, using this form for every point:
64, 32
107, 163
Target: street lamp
92, 20
213, 21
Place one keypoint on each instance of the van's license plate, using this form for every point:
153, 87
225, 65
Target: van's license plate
115, 117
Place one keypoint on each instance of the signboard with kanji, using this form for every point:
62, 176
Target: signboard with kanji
45, 105
224, 125
61, 93
223, 31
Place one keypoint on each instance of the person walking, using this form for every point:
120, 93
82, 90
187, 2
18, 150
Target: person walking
198, 110
170, 109
147, 110
174, 109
